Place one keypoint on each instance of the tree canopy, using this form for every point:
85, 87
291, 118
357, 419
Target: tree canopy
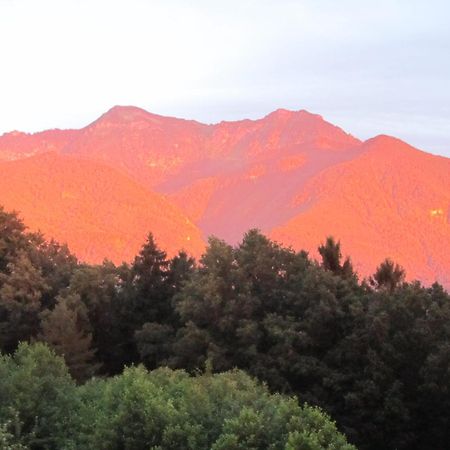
373, 354
42, 408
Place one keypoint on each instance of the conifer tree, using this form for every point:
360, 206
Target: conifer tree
331, 254
56, 263
145, 296
149, 283
331, 259
388, 276
21, 290
181, 268
96, 291
13, 238
61, 330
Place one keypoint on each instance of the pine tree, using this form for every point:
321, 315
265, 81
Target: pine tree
388, 276
150, 284
331, 259
181, 268
145, 296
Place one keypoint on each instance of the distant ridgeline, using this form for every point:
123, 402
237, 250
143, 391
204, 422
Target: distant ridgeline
374, 354
291, 174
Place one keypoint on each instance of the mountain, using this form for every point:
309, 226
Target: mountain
291, 173
262, 162
148, 147
390, 201
272, 159
18, 145
98, 211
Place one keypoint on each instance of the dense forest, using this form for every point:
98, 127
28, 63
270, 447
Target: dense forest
223, 353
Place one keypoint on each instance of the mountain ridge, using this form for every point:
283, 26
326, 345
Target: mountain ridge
289, 173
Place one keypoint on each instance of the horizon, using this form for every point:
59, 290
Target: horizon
377, 68
230, 121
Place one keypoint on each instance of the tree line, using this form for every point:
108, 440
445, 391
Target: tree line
373, 353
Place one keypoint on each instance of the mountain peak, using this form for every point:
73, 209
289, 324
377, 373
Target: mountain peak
281, 112
385, 144
283, 172
383, 139
126, 109
14, 134
125, 114
288, 113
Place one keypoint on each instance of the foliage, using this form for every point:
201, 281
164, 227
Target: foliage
21, 291
13, 238
331, 258
388, 276
374, 355
38, 398
62, 331
163, 409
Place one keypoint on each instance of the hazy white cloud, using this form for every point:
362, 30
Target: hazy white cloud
371, 67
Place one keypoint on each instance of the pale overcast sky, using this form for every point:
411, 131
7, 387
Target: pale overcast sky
371, 67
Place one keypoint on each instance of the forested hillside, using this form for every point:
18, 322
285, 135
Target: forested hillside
372, 353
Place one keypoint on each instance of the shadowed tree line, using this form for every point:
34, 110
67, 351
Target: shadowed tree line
373, 353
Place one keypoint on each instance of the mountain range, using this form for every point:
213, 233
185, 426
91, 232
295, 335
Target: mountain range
291, 174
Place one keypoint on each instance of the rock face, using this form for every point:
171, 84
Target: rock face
291, 174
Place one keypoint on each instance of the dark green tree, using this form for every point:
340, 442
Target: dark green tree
332, 256
21, 292
211, 300
13, 238
181, 268
155, 339
155, 343
145, 296
99, 289
388, 275
149, 284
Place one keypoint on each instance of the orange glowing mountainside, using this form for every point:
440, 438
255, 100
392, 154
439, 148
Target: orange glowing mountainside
291, 174
98, 211
390, 201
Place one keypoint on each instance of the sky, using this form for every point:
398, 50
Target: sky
371, 67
